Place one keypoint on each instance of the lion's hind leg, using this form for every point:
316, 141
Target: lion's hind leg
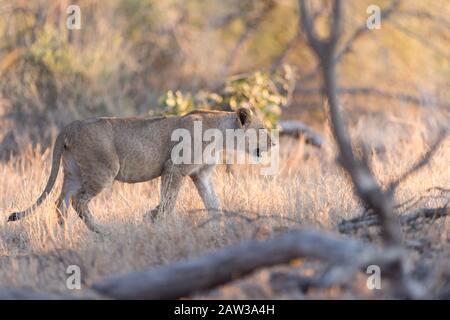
92, 183
71, 185
81, 202
68, 191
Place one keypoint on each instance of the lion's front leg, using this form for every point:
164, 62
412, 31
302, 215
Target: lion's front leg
171, 182
206, 191
205, 188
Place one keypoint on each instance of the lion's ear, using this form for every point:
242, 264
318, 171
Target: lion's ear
245, 116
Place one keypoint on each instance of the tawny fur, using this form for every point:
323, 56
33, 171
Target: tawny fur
97, 151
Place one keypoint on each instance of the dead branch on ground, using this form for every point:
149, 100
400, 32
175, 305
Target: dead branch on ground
185, 278
366, 221
297, 129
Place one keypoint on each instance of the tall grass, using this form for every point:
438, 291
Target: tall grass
310, 191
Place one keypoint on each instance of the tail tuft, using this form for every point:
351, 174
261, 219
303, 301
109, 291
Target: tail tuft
14, 216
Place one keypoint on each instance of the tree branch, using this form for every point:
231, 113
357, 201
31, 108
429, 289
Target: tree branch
187, 277
373, 92
365, 185
420, 163
357, 33
366, 221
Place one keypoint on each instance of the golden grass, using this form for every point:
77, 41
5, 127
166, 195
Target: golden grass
310, 191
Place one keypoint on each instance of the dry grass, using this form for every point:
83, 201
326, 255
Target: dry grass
311, 191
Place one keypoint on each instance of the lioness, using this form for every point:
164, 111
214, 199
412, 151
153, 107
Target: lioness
97, 151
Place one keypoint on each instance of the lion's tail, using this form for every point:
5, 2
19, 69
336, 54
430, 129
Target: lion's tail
57, 153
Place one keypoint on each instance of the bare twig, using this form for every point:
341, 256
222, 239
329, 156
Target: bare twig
423, 40
251, 26
356, 91
364, 182
366, 221
420, 14
278, 60
357, 33
423, 161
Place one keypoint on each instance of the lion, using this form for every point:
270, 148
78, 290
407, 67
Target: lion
97, 151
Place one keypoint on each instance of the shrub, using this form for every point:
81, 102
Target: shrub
264, 92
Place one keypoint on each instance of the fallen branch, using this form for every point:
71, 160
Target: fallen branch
298, 129
414, 201
187, 277
366, 221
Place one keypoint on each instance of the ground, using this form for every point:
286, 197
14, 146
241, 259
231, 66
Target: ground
311, 191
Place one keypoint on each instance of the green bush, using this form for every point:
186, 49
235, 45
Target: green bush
176, 103
265, 93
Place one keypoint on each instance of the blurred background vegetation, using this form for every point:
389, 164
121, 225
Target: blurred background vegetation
147, 57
